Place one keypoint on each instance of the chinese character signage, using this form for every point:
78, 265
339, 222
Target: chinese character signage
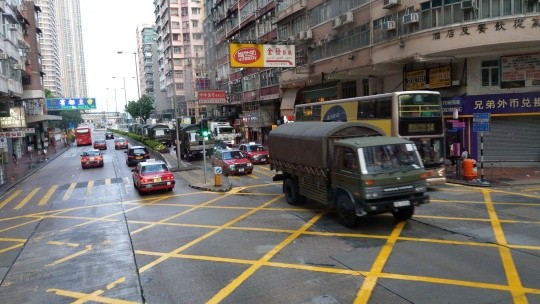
212, 97
415, 80
249, 55
440, 77
521, 68
12, 134
515, 103
71, 103
16, 119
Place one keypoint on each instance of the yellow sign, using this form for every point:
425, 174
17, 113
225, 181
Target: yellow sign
250, 55
415, 80
440, 77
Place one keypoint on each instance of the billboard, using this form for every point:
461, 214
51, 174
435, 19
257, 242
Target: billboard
212, 97
70, 104
251, 55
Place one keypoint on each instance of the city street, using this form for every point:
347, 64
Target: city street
73, 235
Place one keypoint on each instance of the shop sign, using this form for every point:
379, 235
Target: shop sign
415, 80
514, 103
521, 68
16, 118
252, 55
212, 97
440, 77
12, 134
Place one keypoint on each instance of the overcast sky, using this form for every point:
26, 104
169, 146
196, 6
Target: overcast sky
110, 26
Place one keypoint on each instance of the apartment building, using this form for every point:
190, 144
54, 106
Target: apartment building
482, 56
180, 52
50, 61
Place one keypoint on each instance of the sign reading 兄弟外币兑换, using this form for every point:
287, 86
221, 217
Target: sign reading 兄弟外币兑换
251, 55
71, 103
513, 103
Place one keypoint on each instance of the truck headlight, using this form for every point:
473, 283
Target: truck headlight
372, 193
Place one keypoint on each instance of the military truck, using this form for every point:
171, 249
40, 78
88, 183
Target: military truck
350, 166
191, 142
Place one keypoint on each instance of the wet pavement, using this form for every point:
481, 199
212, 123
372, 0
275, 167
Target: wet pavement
492, 176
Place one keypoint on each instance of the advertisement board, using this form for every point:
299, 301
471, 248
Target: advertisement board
251, 55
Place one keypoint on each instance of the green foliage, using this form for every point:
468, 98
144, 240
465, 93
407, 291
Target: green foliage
154, 145
140, 108
68, 117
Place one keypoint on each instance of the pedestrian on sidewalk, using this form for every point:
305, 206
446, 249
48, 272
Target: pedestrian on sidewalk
15, 159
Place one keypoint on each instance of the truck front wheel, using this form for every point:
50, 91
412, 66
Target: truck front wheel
292, 194
346, 211
404, 213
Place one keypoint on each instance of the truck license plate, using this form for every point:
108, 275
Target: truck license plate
241, 170
402, 203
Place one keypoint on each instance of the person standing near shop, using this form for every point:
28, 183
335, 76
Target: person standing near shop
15, 159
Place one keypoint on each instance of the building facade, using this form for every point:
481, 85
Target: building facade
482, 56
52, 78
181, 59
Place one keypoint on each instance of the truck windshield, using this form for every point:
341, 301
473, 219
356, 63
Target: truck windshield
226, 130
389, 158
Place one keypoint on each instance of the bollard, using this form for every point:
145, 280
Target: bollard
217, 176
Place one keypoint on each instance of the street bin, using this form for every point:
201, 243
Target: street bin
470, 171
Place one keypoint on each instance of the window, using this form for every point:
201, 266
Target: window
490, 73
195, 23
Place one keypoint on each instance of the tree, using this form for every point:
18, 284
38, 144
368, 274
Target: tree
141, 108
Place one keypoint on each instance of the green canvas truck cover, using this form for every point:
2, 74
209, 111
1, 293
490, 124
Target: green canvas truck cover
308, 143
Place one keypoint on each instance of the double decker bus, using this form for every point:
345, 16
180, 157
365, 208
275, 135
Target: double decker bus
83, 136
414, 115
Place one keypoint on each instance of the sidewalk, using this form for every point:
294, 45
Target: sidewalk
497, 176
25, 168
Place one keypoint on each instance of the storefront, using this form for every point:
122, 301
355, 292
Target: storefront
509, 137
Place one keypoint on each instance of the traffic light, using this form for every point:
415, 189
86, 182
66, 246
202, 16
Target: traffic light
204, 129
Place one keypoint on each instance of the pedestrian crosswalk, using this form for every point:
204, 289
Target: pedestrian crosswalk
20, 198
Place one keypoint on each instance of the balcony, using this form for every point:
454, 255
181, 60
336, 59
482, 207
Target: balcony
289, 7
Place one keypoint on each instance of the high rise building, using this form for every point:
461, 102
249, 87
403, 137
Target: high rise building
181, 56
70, 46
50, 59
146, 37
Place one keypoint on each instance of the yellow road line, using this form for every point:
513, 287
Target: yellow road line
47, 196
23, 224
9, 198
88, 297
11, 248
89, 187
227, 290
27, 198
514, 281
253, 176
69, 257
12, 240
371, 278
69, 191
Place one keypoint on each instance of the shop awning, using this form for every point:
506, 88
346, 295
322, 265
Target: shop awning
288, 101
38, 118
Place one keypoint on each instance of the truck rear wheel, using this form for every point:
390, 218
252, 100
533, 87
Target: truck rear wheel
346, 211
404, 213
292, 193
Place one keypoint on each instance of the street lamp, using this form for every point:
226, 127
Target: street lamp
125, 93
115, 100
136, 71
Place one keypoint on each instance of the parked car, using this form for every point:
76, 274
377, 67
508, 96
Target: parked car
120, 143
136, 154
91, 158
231, 161
109, 135
256, 153
152, 175
100, 144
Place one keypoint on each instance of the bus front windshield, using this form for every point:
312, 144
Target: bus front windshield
389, 158
420, 105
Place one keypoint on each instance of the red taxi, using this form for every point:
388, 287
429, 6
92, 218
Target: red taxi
231, 161
100, 144
91, 158
120, 143
152, 175
256, 153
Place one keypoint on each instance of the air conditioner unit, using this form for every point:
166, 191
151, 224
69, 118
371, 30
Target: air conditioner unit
13, 27
17, 66
308, 35
320, 43
390, 3
410, 18
291, 38
468, 4
300, 35
389, 25
336, 22
3, 56
348, 18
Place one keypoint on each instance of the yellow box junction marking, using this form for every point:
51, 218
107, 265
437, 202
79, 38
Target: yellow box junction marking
47, 196
27, 198
514, 281
69, 257
83, 297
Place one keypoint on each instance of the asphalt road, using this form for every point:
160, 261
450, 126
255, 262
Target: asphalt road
72, 235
